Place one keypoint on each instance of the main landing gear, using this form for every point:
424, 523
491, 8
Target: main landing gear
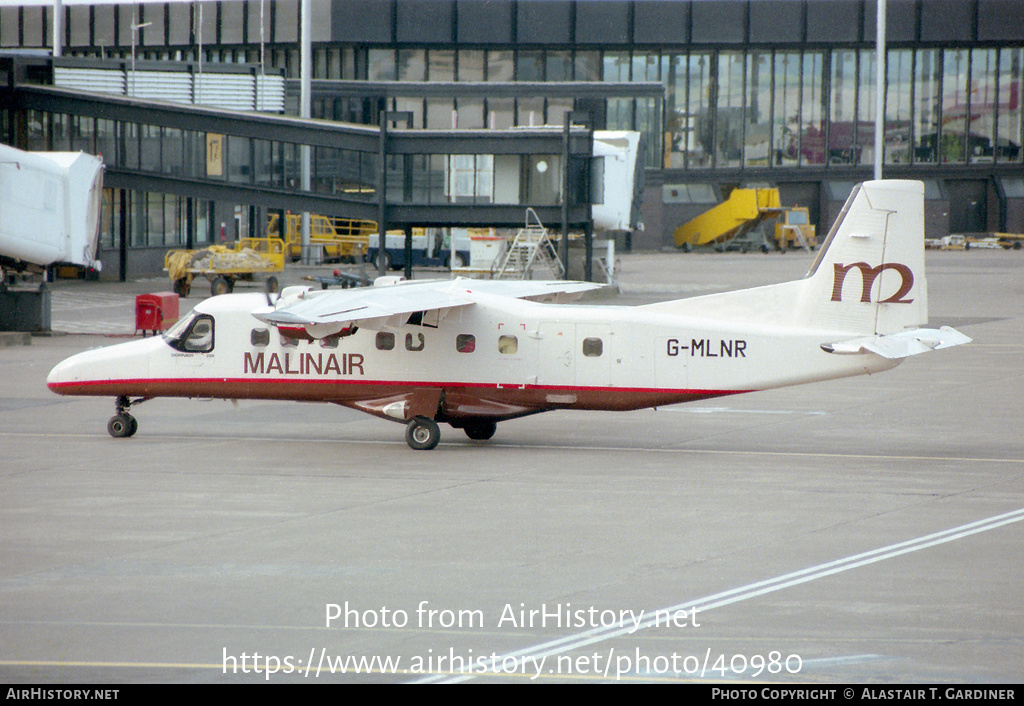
423, 433
480, 430
122, 424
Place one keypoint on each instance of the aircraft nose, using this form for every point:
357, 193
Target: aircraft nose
58, 375
97, 372
68, 373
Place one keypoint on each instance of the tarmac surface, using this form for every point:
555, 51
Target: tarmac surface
865, 530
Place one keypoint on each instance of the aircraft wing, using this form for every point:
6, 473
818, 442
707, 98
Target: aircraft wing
327, 312
902, 344
536, 290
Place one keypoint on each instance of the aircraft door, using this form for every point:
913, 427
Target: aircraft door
593, 355
557, 344
575, 354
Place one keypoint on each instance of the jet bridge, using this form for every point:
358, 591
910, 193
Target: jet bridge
398, 177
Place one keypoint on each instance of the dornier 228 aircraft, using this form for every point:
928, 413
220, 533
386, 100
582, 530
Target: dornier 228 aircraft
474, 353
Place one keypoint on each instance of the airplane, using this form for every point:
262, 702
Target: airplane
473, 353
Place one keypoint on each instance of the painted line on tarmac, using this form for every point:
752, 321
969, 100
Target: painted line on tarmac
736, 595
596, 635
500, 446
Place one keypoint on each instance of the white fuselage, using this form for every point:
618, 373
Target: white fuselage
497, 359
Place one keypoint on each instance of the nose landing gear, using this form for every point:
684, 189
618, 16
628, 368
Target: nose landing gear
122, 424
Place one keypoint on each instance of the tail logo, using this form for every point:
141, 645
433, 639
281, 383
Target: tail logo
868, 276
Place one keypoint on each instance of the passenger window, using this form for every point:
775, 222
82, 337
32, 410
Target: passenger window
289, 342
465, 343
385, 341
414, 344
260, 337
507, 345
593, 347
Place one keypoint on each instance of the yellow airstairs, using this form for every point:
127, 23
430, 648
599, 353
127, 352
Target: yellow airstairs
744, 210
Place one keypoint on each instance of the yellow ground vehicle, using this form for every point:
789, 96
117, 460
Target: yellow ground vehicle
793, 228
341, 239
223, 265
744, 212
1009, 241
981, 241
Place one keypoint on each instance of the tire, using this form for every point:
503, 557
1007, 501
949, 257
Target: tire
422, 434
455, 260
387, 260
182, 287
122, 426
480, 430
220, 285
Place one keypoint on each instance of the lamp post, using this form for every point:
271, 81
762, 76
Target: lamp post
879, 87
58, 27
135, 29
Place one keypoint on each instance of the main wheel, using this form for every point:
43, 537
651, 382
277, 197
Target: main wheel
121, 426
220, 285
481, 430
422, 434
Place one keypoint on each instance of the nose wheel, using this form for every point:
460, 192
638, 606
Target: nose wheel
122, 424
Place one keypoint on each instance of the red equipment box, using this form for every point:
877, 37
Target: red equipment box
155, 312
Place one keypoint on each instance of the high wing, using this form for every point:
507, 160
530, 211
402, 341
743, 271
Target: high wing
326, 313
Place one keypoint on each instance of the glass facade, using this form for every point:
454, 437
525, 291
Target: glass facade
723, 109
791, 103
726, 109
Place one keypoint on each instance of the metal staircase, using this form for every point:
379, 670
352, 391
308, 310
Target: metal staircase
531, 255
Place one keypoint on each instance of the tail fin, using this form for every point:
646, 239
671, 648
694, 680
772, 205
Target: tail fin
867, 285
869, 276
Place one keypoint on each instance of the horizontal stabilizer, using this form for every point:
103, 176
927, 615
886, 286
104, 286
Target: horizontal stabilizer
900, 345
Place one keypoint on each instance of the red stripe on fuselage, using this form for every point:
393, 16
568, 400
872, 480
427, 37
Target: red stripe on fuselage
610, 398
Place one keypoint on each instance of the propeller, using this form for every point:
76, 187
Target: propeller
271, 287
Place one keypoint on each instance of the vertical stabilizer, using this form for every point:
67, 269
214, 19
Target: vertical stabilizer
869, 276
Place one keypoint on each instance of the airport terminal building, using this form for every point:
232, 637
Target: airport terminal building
726, 93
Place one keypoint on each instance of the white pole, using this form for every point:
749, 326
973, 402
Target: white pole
879, 87
58, 27
198, 80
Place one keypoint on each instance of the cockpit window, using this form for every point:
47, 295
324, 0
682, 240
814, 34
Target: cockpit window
193, 334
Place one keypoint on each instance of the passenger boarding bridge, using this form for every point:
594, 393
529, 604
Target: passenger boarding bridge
389, 173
